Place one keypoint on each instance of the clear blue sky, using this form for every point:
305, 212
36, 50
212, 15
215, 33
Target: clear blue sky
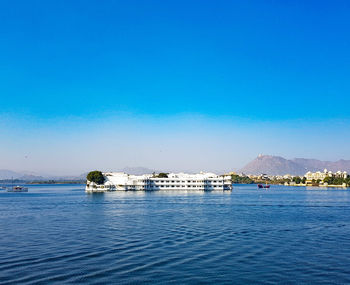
153, 82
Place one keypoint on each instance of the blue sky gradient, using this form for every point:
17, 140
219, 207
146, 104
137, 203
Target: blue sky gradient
156, 83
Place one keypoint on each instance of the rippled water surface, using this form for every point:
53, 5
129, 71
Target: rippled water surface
59, 234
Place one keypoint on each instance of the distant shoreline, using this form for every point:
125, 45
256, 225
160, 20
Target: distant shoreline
48, 182
321, 186
298, 185
57, 182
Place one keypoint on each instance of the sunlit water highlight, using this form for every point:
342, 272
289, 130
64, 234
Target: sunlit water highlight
60, 234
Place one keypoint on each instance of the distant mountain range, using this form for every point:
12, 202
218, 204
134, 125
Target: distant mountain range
267, 164
138, 170
6, 174
276, 165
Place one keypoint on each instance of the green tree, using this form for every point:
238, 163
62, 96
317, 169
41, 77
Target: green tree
297, 179
339, 180
328, 180
335, 180
96, 177
236, 179
163, 175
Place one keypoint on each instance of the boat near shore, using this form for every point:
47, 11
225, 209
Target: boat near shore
17, 189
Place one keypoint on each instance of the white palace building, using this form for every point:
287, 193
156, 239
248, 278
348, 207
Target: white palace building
119, 181
322, 175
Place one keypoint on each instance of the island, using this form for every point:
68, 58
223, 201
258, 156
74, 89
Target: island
119, 181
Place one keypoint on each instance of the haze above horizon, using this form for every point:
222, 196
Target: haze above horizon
180, 85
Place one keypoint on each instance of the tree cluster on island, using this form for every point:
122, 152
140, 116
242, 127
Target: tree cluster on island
337, 180
299, 180
96, 177
243, 179
237, 179
160, 175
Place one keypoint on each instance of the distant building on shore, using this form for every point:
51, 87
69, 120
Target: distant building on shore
115, 181
318, 175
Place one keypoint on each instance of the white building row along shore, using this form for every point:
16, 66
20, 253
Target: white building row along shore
119, 181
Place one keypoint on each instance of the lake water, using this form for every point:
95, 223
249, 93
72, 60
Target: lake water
60, 234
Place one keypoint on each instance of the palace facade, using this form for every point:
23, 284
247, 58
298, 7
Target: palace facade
119, 181
318, 175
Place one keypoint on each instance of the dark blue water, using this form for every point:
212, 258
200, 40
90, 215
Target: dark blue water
59, 234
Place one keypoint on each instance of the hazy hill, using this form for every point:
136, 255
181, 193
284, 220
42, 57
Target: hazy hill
6, 174
276, 165
314, 164
29, 176
9, 174
273, 165
139, 170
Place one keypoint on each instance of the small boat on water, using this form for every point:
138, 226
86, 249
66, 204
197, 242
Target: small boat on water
263, 186
18, 189
3, 188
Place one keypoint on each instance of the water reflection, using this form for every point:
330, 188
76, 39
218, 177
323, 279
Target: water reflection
280, 235
160, 192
